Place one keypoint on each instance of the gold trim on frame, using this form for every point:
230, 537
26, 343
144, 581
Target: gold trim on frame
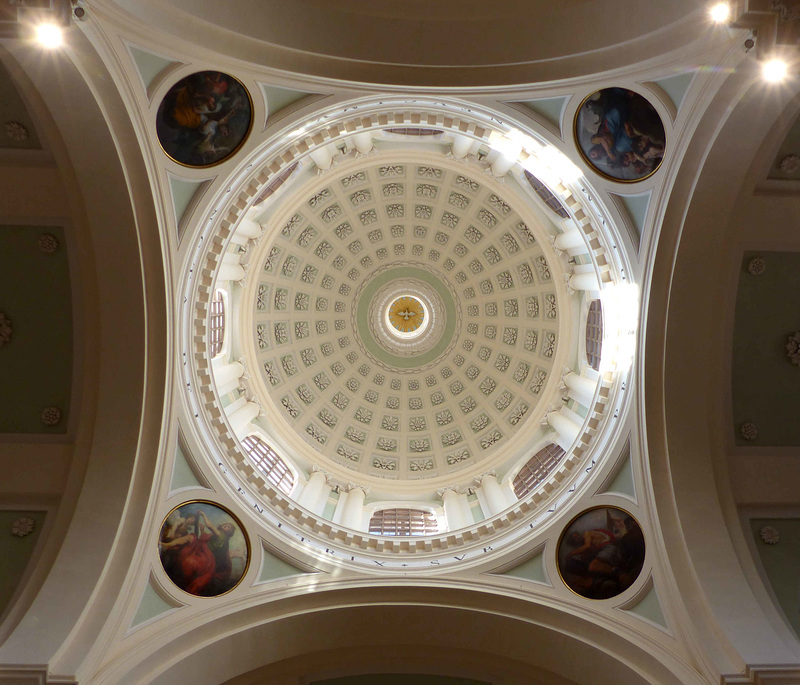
561, 539
235, 150
589, 162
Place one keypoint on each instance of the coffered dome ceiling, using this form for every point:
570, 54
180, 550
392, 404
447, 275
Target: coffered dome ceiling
405, 316
350, 263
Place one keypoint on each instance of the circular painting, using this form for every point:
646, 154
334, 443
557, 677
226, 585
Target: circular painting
204, 548
204, 118
620, 135
601, 553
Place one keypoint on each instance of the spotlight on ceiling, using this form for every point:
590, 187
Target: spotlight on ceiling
774, 71
49, 36
720, 13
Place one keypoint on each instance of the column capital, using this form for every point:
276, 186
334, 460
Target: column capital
253, 399
545, 420
479, 479
562, 384
555, 247
329, 479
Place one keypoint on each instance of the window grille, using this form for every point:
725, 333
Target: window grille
537, 469
547, 197
414, 131
403, 522
594, 335
217, 323
269, 463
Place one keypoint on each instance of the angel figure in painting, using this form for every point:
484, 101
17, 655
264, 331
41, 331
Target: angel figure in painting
196, 554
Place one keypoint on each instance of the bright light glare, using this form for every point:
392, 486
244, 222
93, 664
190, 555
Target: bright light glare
504, 145
546, 162
720, 13
560, 164
620, 321
49, 36
774, 71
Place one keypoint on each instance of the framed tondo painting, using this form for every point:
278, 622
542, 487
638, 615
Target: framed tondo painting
203, 548
204, 119
601, 553
620, 135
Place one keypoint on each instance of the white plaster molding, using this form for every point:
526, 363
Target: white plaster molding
756, 266
47, 243
789, 164
748, 430
793, 348
16, 131
770, 535
22, 526
51, 416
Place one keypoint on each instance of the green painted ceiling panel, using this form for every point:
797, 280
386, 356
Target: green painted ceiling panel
15, 551
13, 110
781, 563
766, 385
36, 365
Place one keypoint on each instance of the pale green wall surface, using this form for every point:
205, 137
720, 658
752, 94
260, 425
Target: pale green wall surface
531, 569
273, 568
636, 206
650, 608
182, 194
278, 98
676, 86
148, 64
150, 606
622, 482
548, 109
182, 474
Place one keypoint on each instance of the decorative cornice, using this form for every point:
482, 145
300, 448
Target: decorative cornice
31, 675
788, 674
